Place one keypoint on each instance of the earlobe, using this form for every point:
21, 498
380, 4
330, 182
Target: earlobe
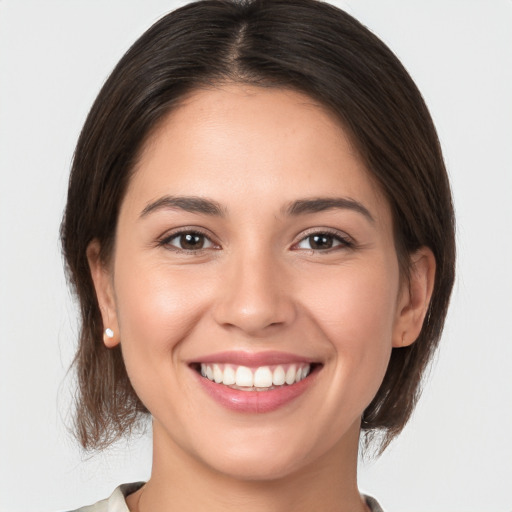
102, 279
415, 298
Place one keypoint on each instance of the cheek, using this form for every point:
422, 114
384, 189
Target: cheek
156, 308
356, 310
358, 301
149, 308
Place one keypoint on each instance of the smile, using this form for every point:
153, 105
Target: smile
255, 382
262, 378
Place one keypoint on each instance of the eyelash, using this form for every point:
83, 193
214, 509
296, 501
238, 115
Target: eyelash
166, 242
344, 242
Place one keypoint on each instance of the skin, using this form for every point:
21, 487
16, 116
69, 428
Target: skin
257, 284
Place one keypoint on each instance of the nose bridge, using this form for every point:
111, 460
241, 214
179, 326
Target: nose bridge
254, 295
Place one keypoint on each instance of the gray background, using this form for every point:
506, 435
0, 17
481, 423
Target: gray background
456, 454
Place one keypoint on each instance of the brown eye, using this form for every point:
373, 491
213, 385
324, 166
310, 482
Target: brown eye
189, 241
323, 242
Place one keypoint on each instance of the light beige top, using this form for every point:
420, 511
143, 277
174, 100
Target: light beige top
117, 501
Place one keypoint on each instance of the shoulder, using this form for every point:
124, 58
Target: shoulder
116, 502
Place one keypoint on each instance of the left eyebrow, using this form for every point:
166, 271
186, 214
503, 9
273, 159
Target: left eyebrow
320, 204
192, 204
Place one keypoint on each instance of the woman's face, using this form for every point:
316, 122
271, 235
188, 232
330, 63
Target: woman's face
253, 246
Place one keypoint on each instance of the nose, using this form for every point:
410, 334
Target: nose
255, 295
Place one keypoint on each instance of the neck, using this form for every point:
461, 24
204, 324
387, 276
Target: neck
179, 481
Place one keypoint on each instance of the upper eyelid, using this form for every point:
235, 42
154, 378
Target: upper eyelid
186, 229
323, 230
214, 240
346, 241
170, 235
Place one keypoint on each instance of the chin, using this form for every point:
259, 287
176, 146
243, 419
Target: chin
263, 454
256, 467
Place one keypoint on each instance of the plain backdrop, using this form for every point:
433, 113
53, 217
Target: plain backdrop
456, 453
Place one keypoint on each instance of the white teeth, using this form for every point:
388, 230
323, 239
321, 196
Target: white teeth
302, 373
278, 377
244, 377
218, 376
290, 375
229, 376
262, 378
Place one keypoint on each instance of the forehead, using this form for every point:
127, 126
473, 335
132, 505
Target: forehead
259, 142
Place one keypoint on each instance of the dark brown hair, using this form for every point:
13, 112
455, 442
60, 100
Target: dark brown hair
304, 45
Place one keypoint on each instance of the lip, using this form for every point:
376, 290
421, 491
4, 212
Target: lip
256, 402
252, 359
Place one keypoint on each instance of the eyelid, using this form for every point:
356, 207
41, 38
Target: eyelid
346, 240
164, 240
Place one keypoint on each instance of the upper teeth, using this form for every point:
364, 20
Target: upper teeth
261, 377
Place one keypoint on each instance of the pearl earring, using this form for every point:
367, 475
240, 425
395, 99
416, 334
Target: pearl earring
109, 333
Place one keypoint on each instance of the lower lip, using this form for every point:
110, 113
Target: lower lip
255, 401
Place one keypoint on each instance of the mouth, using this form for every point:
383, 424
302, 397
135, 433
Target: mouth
255, 383
261, 378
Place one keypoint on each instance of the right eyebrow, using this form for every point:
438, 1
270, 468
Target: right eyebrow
192, 204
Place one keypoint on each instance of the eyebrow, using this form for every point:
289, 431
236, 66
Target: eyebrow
190, 204
194, 204
320, 204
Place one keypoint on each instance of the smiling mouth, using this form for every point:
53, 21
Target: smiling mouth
261, 378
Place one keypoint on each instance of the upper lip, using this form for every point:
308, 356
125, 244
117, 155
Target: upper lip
252, 359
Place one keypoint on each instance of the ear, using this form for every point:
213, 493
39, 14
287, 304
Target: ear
102, 279
415, 297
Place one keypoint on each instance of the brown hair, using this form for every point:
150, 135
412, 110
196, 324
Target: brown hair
304, 45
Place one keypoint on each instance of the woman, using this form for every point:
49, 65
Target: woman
259, 229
